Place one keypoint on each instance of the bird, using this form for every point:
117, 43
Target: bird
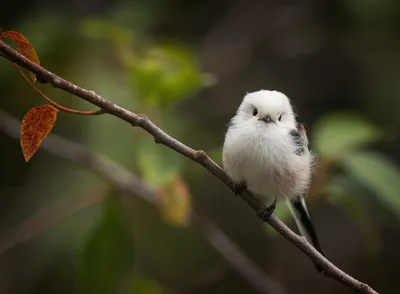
267, 152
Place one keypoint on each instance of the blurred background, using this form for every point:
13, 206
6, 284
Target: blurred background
67, 226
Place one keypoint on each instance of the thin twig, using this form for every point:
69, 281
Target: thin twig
125, 181
200, 157
227, 249
46, 218
55, 104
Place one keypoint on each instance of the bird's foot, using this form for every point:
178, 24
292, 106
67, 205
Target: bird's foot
239, 187
266, 212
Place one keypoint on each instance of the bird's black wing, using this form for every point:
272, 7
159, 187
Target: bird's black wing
299, 209
298, 141
298, 205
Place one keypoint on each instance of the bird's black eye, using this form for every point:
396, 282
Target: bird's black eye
255, 111
280, 116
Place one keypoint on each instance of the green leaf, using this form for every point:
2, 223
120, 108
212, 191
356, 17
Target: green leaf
109, 252
158, 165
377, 174
166, 74
340, 191
174, 200
338, 133
143, 285
101, 29
371, 12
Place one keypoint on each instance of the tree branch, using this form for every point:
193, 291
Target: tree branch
126, 182
200, 157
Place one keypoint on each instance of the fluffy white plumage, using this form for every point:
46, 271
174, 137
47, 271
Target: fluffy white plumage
267, 151
263, 155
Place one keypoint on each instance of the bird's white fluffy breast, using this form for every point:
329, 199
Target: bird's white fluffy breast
265, 160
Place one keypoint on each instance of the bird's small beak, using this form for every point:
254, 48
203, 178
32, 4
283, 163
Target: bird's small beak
267, 119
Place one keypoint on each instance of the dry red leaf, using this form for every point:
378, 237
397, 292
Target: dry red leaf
35, 126
175, 201
23, 47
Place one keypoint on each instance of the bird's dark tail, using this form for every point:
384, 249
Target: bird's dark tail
299, 210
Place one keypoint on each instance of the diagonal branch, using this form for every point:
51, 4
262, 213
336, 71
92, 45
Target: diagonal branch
37, 223
126, 182
200, 157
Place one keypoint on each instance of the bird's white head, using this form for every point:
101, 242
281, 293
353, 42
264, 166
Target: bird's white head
266, 108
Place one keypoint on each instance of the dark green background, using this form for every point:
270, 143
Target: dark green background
187, 64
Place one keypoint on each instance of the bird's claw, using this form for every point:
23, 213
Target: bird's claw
238, 188
266, 212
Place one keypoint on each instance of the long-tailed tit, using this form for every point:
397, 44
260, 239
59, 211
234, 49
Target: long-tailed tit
266, 150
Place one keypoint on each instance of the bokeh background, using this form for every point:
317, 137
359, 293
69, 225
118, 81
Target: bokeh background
187, 65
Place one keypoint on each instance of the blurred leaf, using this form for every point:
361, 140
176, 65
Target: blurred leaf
158, 165
175, 201
23, 47
336, 187
101, 29
372, 12
166, 74
35, 126
338, 191
109, 252
339, 133
143, 285
377, 174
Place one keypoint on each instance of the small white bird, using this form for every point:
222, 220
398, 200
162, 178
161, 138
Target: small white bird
266, 151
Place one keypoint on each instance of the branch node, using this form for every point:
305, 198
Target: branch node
200, 155
118, 109
91, 93
364, 288
142, 116
139, 119
55, 82
304, 239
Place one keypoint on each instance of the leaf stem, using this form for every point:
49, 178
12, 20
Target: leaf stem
53, 103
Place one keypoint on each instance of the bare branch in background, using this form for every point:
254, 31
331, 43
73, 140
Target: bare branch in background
198, 156
46, 218
228, 249
125, 182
